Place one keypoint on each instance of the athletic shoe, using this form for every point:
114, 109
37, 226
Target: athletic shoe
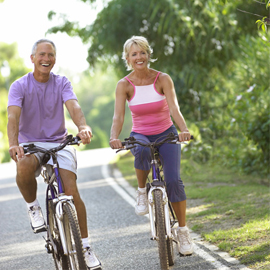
36, 219
91, 260
186, 245
141, 207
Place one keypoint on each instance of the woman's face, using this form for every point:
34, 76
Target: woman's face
137, 57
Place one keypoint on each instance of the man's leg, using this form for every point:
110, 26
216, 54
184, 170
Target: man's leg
70, 185
27, 185
25, 178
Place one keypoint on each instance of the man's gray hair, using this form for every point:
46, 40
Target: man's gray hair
43, 40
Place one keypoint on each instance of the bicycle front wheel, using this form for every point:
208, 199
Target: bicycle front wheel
170, 245
60, 260
73, 239
161, 229
170, 251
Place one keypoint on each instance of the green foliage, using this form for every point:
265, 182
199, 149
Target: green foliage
205, 46
13, 69
4, 155
95, 93
250, 109
262, 23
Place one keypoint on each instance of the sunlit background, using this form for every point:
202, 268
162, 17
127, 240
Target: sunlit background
216, 51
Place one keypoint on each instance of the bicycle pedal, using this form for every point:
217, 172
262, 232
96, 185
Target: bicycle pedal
48, 248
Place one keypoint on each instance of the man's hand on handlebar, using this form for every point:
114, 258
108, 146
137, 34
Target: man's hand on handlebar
86, 135
16, 152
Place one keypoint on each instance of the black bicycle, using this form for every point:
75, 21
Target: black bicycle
162, 217
63, 233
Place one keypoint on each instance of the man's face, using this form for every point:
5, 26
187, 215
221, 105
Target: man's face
44, 58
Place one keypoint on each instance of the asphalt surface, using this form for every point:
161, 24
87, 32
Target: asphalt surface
119, 237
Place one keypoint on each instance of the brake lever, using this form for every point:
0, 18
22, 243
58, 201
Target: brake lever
126, 147
77, 140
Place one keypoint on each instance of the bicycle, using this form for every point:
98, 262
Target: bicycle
161, 214
63, 233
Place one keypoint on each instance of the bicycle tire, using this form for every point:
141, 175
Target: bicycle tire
170, 250
170, 244
60, 260
161, 229
73, 238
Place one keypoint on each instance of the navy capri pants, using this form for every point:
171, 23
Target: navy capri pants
170, 156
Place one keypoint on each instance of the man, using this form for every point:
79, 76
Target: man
36, 114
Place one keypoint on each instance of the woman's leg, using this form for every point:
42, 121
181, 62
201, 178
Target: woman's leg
142, 167
180, 212
141, 177
171, 157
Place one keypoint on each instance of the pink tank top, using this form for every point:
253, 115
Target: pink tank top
149, 110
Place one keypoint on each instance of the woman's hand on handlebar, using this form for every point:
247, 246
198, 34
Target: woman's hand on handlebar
116, 144
184, 136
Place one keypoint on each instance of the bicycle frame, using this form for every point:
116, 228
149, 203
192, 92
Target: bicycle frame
161, 215
157, 183
58, 199
58, 196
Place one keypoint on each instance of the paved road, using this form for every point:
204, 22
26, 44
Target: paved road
120, 238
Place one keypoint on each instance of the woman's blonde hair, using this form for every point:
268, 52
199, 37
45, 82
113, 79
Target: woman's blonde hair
142, 43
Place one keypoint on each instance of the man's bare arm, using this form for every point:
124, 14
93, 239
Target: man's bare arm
14, 113
77, 116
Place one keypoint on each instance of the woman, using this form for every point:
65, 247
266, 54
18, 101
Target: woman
151, 98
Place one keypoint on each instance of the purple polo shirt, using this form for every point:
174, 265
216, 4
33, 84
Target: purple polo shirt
42, 111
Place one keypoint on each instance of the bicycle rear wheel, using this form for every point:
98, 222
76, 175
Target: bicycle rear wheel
161, 229
76, 259
60, 260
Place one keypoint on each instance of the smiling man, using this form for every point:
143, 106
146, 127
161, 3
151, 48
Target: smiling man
36, 115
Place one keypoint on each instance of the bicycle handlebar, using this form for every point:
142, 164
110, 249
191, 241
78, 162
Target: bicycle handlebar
69, 140
131, 142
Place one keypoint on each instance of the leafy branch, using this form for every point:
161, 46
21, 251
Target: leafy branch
265, 20
262, 23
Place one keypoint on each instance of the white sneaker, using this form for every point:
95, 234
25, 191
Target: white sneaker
36, 219
141, 207
91, 260
186, 245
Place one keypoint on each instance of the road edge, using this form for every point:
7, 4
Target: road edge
131, 191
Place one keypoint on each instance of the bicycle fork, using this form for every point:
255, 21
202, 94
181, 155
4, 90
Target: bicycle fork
59, 218
166, 212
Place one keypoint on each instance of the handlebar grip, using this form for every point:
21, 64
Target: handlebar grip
192, 137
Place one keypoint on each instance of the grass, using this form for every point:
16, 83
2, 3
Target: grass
228, 209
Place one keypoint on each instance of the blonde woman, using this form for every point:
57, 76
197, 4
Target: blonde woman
152, 101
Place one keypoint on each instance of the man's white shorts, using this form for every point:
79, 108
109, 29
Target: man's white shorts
66, 157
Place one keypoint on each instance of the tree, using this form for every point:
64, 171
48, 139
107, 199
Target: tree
95, 92
196, 42
250, 109
11, 68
